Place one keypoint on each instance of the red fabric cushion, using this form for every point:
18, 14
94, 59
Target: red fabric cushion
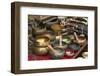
48, 57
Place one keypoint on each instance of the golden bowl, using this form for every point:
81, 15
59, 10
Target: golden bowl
40, 50
42, 41
56, 27
49, 34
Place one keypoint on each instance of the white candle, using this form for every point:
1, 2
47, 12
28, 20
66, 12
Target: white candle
60, 40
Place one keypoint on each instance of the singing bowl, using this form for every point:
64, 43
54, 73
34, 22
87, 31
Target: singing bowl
56, 44
38, 31
77, 21
74, 46
81, 32
57, 53
81, 19
81, 39
51, 35
40, 50
50, 21
56, 27
42, 41
38, 28
82, 29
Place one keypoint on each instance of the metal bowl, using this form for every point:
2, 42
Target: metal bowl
56, 44
82, 29
40, 50
38, 31
51, 35
74, 46
42, 41
57, 53
50, 21
56, 28
81, 39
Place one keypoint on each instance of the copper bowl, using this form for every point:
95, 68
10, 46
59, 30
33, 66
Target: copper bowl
42, 41
40, 50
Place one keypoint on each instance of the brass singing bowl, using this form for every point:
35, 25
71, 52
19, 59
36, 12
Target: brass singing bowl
38, 31
40, 50
56, 27
48, 34
81, 40
42, 41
